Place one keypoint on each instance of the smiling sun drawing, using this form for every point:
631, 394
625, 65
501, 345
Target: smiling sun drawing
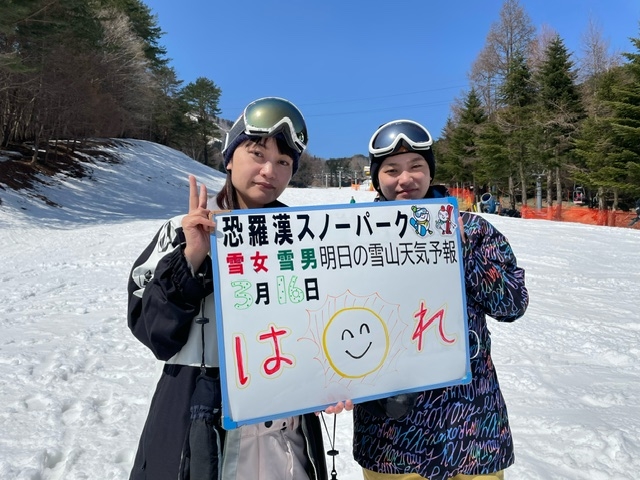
349, 338
357, 337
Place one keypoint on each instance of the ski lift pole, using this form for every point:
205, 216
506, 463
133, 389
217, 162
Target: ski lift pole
539, 192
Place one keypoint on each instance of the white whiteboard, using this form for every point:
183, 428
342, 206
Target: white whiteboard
320, 304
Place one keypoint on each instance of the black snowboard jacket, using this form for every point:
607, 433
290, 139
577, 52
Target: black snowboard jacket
164, 299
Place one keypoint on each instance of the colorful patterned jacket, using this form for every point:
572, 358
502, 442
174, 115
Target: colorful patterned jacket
460, 429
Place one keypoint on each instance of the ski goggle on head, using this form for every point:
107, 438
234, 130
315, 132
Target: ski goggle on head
390, 136
268, 116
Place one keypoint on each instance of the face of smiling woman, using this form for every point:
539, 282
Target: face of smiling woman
259, 172
405, 176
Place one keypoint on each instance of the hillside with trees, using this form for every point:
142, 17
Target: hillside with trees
72, 71
535, 114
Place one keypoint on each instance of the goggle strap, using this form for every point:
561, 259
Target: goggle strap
236, 129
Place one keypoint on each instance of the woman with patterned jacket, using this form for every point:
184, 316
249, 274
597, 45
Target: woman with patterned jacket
458, 432
171, 311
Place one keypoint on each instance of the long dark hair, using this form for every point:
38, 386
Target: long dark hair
227, 198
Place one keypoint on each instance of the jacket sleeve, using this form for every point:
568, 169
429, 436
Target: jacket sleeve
492, 276
163, 294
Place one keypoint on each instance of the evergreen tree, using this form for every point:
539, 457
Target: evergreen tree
12, 17
625, 122
448, 171
493, 168
202, 97
169, 119
463, 143
47, 44
600, 166
518, 94
559, 113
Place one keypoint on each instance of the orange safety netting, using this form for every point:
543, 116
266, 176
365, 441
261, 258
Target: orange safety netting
576, 214
590, 216
464, 196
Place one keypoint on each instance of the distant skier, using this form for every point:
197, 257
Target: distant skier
353, 200
637, 219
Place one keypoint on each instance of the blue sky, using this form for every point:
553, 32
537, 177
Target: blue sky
352, 65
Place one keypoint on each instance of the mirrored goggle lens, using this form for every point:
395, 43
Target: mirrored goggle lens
270, 115
387, 138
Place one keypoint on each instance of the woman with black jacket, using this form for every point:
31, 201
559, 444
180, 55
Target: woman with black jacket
171, 311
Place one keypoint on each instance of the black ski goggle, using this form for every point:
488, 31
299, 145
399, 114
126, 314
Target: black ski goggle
390, 136
268, 116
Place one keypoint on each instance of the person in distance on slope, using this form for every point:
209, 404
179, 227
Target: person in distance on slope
171, 297
637, 219
458, 432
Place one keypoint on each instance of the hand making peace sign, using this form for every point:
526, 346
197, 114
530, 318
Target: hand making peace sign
197, 225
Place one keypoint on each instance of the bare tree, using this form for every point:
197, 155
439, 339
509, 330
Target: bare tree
595, 61
596, 57
127, 77
538, 47
511, 34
